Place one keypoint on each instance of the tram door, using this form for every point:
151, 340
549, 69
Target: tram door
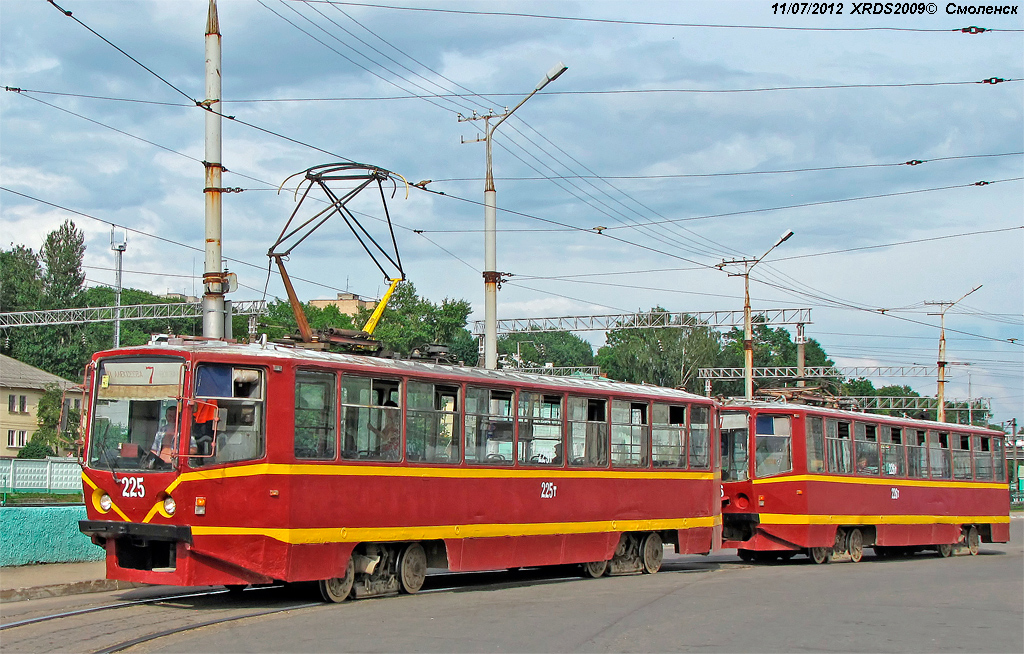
735, 445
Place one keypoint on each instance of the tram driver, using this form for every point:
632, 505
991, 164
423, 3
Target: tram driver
389, 433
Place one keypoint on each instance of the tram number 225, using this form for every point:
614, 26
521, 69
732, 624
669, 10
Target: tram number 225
548, 490
132, 487
894, 493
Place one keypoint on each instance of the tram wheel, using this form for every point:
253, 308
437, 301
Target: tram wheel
412, 568
337, 589
746, 555
595, 569
652, 553
945, 550
820, 555
855, 545
973, 541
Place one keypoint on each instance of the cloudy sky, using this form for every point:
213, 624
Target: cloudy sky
693, 131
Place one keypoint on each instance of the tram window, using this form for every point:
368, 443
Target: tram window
227, 421
892, 450
432, 423
540, 429
668, 436
866, 445
815, 438
962, 457
938, 455
838, 446
772, 445
588, 432
998, 459
917, 454
489, 426
700, 437
982, 458
371, 418
629, 434
315, 432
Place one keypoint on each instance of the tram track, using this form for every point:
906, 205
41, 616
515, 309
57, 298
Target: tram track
106, 607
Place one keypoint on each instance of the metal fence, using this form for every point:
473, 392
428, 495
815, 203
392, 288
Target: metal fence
50, 475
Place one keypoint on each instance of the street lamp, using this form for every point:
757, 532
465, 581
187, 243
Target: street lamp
748, 329
491, 276
943, 308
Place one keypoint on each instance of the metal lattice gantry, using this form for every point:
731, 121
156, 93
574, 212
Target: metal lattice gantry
129, 312
838, 372
646, 320
561, 371
898, 403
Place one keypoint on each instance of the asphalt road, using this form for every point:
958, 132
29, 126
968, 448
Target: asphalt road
715, 604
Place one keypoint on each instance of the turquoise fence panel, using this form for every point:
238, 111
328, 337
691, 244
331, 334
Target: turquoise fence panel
50, 475
44, 534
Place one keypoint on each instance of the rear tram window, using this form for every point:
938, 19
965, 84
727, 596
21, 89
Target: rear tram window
700, 437
892, 451
917, 454
136, 414
227, 423
962, 457
489, 426
938, 455
315, 431
588, 432
668, 436
540, 429
432, 423
629, 434
839, 446
815, 438
866, 444
998, 459
371, 419
772, 445
982, 458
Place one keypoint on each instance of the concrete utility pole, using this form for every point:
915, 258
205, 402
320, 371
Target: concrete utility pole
943, 308
801, 341
118, 243
213, 273
748, 329
492, 278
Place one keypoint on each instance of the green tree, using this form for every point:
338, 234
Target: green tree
561, 349
21, 288
410, 321
772, 347
61, 257
35, 449
48, 412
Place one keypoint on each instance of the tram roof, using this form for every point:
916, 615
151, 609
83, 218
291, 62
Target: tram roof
406, 366
741, 403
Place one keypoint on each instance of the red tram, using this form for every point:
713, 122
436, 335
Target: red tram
213, 463
826, 482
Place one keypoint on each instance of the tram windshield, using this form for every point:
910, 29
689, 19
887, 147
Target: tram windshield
135, 417
735, 442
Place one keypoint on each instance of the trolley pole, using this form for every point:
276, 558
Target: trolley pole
492, 278
748, 328
213, 274
941, 390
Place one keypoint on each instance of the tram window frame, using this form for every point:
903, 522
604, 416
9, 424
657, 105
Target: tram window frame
773, 444
668, 435
588, 431
432, 422
316, 427
371, 426
940, 465
893, 454
815, 443
999, 458
229, 418
540, 427
700, 437
629, 434
917, 454
839, 446
866, 448
489, 425
960, 447
982, 456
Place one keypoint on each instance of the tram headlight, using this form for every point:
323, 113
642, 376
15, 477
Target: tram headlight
169, 505
105, 502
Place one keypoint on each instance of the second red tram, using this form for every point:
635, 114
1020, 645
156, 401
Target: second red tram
826, 482
211, 463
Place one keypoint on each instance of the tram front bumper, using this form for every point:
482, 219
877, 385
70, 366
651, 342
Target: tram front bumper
104, 530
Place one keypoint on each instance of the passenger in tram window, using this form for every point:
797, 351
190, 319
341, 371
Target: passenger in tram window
163, 442
389, 434
557, 459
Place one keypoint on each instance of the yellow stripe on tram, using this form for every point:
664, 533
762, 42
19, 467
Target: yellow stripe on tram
883, 481
435, 532
821, 519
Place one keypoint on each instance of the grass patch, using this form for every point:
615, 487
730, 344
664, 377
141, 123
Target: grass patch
11, 499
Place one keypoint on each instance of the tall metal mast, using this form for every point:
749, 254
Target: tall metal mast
213, 275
